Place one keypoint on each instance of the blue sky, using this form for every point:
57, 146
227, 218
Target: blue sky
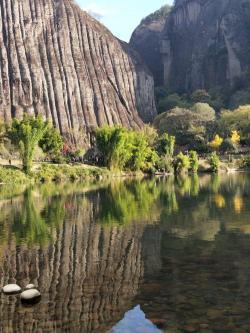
122, 16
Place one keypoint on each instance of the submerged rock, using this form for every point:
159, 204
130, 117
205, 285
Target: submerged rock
30, 295
11, 289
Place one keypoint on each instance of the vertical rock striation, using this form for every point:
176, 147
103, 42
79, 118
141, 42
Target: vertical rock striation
58, 61
204, 44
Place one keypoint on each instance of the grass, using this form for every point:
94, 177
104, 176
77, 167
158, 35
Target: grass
45, 172
12, 175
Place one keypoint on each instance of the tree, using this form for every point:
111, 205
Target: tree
200, 96
171, 101
143, 156
216, 142
122, 148
115, 145
52, 142
237, 120
189, 126
26, 134
235, 137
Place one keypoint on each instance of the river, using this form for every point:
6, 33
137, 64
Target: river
129, 256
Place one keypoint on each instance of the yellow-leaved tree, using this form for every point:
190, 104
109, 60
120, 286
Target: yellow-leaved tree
235, 137
216, 142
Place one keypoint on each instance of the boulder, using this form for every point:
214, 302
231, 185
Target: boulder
11, 289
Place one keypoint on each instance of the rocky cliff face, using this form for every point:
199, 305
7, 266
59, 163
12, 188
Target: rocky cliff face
58, 61
205, 43
147, 40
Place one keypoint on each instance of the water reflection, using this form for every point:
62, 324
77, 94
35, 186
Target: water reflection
175, 251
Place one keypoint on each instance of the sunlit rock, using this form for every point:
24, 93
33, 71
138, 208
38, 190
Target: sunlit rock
30, 295
30, 286
11, 289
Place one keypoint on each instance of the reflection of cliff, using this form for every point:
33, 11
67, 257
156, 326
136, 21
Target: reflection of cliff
88, 275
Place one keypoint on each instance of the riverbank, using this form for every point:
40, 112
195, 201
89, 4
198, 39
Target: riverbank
48, 172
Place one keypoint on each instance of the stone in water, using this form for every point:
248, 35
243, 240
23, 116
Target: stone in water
11, 289
30, 286
30, 295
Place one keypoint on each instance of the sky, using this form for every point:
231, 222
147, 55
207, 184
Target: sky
122, 16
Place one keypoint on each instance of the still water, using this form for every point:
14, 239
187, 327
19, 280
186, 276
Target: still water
143, 256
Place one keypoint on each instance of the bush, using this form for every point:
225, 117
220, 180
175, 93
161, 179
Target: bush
11, 175
181, 163
166, 145
165, 164
214, 162
115, 145
245, 163
126, 149
228, 146
52, 143
194, 161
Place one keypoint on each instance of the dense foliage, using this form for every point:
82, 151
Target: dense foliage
29, 133
26, 134
125, 149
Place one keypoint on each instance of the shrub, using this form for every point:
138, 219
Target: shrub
194, 161
214, 162
11, 175
228, 146
166, 145
245, 163
115, 145
181, 163
126, 149
165, 164
52, 143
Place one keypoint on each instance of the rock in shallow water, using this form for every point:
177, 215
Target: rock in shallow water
30, 286
11, 289
30, 295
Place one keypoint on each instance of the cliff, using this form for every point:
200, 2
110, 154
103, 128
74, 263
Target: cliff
147, 40
58, 61
204, 44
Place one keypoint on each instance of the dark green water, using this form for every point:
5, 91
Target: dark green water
149, 256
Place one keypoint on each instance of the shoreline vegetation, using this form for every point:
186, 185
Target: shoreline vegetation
169, 146
62, 173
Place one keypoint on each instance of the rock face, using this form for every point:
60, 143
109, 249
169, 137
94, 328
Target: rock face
205, 43
147, 40
58, 61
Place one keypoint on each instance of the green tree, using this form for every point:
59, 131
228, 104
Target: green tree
171, 101
143, 156
26, 134
52, 142
115, 145
237, 120
200, 96
189, 126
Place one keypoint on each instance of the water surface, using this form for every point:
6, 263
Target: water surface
136, 256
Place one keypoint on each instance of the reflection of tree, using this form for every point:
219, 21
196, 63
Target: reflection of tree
33, 226
123, 202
